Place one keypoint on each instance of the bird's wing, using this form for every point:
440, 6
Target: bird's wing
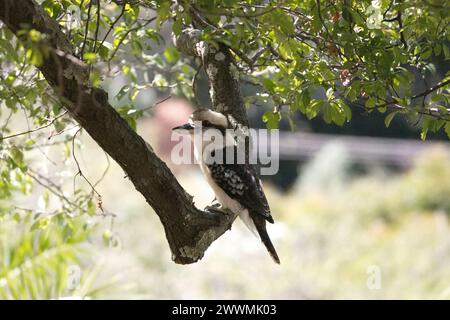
239, 181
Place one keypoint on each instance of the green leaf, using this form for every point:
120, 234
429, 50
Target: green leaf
447, 129
446, 51
163, 12
17, 156
338, 114
346, 109
126, 69
95, 78
34, 35
171, 54
11, 53
35, 56
430, 124
91, 208
314, 108
426, 54
40, 223
389, 118
131, 122
103, 51
123, 91
131, 12
269, 85
328, 114
177, 26
90, 57
271, 119
437, 49
305, 98
423, 134
330, 94
370, 103
106, 236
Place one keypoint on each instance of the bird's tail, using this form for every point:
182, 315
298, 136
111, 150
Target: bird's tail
260, 224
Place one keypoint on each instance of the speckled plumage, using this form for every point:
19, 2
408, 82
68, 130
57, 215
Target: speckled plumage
239, 181
236, 186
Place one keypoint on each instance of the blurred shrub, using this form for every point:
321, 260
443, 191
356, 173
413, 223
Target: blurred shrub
397, 223
427, 186
424, 188
329, 232
44, 257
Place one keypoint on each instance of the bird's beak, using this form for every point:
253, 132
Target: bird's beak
186, 126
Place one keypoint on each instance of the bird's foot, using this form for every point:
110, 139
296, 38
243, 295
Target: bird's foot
216, 208
215, 203
220, 210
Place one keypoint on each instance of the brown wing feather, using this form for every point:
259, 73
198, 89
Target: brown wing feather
239, 183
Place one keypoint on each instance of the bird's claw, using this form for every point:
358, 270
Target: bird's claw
217, 208
215, 203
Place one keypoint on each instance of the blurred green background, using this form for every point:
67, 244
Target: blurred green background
379, 234
344, 228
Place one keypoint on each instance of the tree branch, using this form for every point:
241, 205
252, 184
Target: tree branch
433, 88
189, 231
223, 76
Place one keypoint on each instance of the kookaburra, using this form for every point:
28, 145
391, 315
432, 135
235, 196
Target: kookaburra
236, 186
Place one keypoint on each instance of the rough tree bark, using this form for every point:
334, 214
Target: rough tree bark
222, 75
189, 231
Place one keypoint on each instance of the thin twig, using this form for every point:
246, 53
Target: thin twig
126, 35
108, 165
30, 147
60, 195
112, 26
34, 130
158, 102
80, 173
62, 131
97, 27
391, 3
86, 29
5, 124
434, 88
239, 15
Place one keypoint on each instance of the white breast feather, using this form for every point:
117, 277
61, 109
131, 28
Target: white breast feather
224, 199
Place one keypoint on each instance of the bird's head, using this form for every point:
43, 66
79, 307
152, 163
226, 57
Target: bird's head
204, 119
